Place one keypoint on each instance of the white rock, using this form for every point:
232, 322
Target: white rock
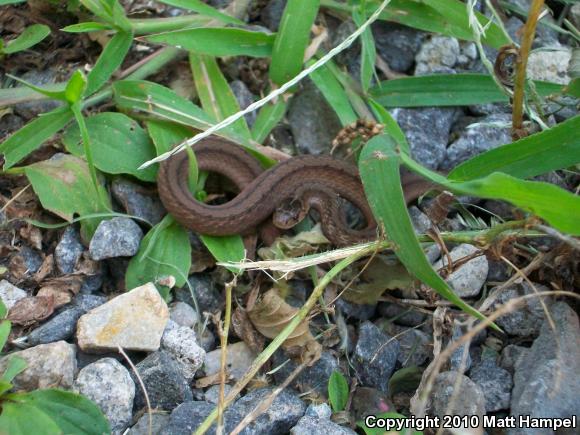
10, 294
468, 278
134, 321
181, 343
550, 66
51, 365
110, 386
183, 314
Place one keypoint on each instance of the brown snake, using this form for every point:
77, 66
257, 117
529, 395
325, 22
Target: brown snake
287, 190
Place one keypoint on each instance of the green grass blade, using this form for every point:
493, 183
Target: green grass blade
224, 41
217, 99
31, 35
557, 206
334, 93
446, 90
550, 150
204, 9
379, 170
292, 39
110, 59
268, 117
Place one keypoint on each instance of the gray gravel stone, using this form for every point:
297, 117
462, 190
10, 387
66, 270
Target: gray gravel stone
397, 44
446, 399
313, 122
109, 385
68, 250
313, 378
356, 311
60, 327
88, 302
400, 314
308, 425
165, 384
282, 414
188, 416
435, 53
212, 394
546, 381
480, 138
511, 355
183, 314
208, 297
181, 343
244, 98
527, 319
468, 279
117, 237
137, 201
375, 357
10, 294
495, 382
272, 14
427, 130
159, 420
238, 360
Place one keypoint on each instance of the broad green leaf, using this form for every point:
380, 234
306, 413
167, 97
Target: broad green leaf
550, 150
268, 117
119, 145
49, 412
223, 41
164, 251
292, 39
334, 93
64, 187
32, 35
3, 309
379, 170
391, 418
337, 391
5, 326
75, 87
110, 59
217, 99
204, 9
163, 103
368, 49
225, 248
557, 206
391, 126
88, 26
10, 2
446, 90
33, 135
4, 387
448, 17
166, 135
16, 365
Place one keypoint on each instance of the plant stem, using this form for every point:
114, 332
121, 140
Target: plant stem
521, 65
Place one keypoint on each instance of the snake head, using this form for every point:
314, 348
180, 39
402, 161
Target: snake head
289, 213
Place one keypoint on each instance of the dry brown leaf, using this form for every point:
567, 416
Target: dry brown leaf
245, 330
45, 268
31, 309
271, 314
208, 381
32, 235
62, 289
381, 274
